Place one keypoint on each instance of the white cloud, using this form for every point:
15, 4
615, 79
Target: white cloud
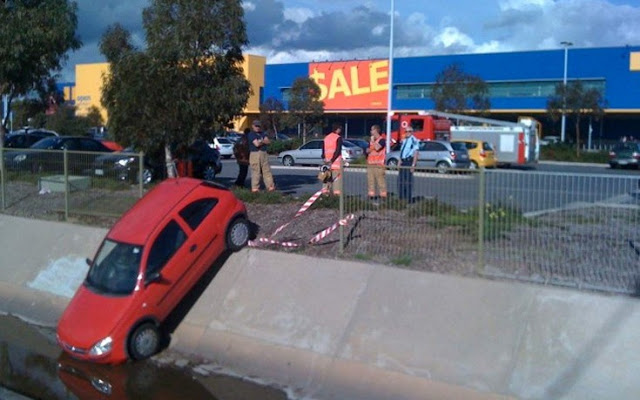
298, 15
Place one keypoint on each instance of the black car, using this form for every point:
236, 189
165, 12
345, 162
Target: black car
125, 165
625, 155
25, 139
46, 154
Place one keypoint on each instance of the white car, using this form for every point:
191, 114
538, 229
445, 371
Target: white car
310, 153
223, 145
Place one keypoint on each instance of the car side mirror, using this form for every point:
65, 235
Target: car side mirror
152, 278
88, 261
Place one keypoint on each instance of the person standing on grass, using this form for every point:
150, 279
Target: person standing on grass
259, 159
241, 153
375, 164
332, 157
408, 161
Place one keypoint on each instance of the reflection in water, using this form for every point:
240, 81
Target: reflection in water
32, 364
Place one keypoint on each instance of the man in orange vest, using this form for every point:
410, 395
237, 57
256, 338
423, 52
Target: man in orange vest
332, 156
375, 163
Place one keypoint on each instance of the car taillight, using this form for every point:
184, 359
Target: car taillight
612, 154
483, 154
453, 155
636, 155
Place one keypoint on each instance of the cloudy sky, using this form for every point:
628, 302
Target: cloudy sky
305, 30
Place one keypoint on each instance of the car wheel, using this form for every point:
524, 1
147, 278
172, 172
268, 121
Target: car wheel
209, 173
392, 162
144, 341
473, 165
287, 161
147, 176
442, 167
238, 234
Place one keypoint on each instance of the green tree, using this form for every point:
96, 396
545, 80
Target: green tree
305, 106
456, 91
94, 117
578, 102
35, 37
65, 122
186, 84
272, 114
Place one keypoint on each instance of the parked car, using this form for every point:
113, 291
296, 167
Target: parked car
223, 145
481, 153
148, 261
624, 155
310, 153
363, 144
438, 154
125, 165
25, 139
233, 136
549, 140
46, 154
282, 136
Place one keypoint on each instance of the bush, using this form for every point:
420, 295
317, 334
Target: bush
567, 152
278, 146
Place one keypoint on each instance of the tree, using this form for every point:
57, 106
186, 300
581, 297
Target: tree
457, 91
577, 101
94, 117
29, 59
186, 84
305, 106
272, 114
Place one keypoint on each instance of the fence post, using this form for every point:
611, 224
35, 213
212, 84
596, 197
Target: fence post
66, 183
2, 178
481, 207
343, 186
140, 174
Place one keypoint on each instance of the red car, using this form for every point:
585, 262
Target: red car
146, 264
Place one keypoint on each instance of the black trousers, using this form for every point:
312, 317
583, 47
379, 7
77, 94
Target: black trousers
242, 175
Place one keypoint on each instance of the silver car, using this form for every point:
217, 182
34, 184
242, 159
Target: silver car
438, 154
310, 153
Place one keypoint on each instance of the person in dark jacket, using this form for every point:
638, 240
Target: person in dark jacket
241, 153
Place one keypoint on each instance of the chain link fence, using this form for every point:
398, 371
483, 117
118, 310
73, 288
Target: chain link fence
88, 183
573, 230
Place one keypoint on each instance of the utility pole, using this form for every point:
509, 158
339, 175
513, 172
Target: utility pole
564, 96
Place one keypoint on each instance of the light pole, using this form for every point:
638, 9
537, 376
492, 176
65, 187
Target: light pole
564, 93
390, 89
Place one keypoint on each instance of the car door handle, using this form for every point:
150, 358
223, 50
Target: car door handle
193, 248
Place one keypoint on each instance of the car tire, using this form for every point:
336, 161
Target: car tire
392, 162
473, 165
144, 341
237, 235
287, 161
209, 173
442, 167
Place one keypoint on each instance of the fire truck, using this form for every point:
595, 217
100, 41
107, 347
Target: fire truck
515, 143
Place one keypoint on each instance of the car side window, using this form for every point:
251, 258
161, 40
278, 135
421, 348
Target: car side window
165, 245
433, 146
71, 144
89, 145
314, 145
196, 212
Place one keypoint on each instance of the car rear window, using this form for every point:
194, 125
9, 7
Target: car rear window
224, 141
487, 146
470, 145
197, 211
458, 146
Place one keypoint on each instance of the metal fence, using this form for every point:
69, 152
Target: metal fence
573, 230
89, 183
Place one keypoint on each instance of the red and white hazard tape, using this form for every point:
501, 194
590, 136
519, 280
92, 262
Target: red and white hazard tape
259, 241
326, 232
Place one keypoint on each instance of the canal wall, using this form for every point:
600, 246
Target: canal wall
332, 329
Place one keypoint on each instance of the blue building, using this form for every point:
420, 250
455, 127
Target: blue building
520, 83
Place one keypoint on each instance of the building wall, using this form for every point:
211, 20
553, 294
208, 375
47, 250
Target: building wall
88, 88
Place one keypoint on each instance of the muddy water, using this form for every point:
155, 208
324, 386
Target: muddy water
32, 365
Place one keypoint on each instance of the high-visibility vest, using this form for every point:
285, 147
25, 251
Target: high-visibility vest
330, 147
376, 157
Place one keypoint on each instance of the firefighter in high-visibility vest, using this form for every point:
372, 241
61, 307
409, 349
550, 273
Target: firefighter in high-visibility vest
375, 163
332, 156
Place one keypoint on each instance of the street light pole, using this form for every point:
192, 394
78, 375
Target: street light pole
564, 93
390, 89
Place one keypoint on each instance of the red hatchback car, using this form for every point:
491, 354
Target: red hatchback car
146, 264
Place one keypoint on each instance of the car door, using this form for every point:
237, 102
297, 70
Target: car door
310, 153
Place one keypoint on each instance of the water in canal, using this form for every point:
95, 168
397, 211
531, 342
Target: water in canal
32, 365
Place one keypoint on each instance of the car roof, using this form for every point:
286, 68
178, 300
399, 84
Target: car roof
139, 222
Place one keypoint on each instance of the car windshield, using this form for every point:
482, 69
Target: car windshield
458, 146
115, 269
347, 143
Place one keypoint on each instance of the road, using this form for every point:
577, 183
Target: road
549, 186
